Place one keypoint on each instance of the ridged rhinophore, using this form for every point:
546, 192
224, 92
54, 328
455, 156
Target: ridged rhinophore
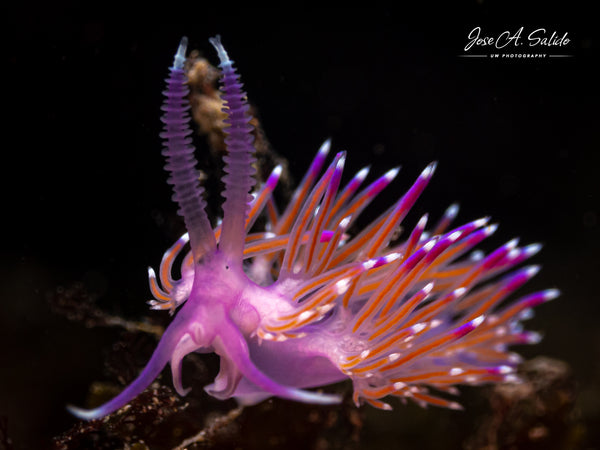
239, 161
181, 163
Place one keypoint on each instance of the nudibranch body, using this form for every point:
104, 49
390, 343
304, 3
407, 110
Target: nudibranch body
302, 304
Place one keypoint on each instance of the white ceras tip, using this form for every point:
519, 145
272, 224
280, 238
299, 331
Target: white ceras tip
422, 223
342, 285
515, 358
455, 406
398, 385
340, 164
429, 245
512, 243
491, 229
277, 171
274, 177
534, 337
428, 287
391, 174
305, 315
362, 173
452, 211
345, 222
505, 369
380, 261
325, 147
391, 257
434, 323
394, 357
532, 270
532, 249
551, 294
478, 320
428, 172
476, 255
370, 263
456, 371
455, 235
481, 222
418, 327
526, 314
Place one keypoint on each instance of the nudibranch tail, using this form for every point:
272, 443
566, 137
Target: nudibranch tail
181, 163
238, 161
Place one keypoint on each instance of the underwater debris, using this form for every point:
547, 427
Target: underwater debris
135, 424
208, 433
535, 413
78, 305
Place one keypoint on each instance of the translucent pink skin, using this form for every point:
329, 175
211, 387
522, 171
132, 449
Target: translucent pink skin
304, 304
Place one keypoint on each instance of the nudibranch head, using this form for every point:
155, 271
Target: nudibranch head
302, 303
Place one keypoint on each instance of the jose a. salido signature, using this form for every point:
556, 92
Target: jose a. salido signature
518, 40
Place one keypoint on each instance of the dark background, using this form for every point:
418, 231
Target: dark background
85, 199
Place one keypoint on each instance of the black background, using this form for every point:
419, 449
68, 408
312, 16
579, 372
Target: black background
84, 195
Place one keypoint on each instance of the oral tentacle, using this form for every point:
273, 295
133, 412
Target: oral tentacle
185, 345
161, 356
226, 381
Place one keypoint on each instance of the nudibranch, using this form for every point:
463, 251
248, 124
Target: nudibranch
301, 303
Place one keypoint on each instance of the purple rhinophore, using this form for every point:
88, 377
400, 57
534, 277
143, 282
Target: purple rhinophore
181, 163
402, 312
